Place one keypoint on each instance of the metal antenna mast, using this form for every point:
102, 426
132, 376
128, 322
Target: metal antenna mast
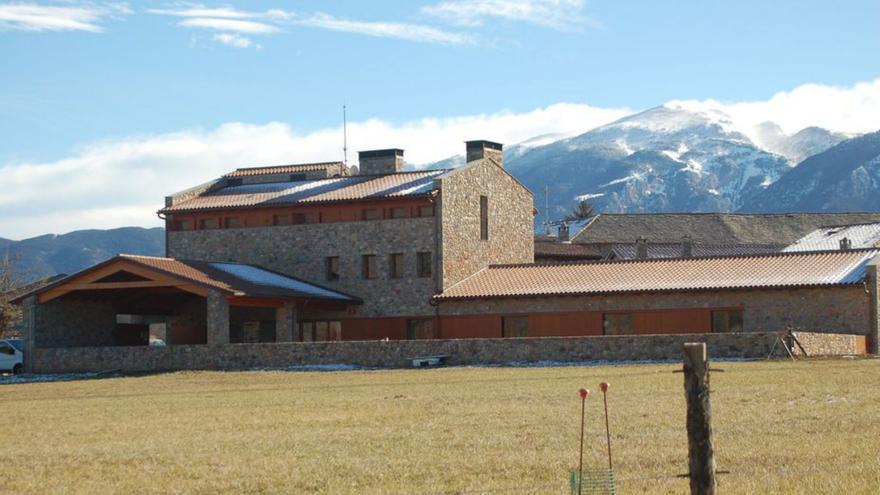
344, 138
547, 210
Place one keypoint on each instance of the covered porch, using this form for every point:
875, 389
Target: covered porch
138, 300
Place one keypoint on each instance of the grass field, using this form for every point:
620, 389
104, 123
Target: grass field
804, 427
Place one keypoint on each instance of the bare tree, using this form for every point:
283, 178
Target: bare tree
9, 313
582, 211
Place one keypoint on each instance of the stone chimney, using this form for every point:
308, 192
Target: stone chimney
845, 244
687, 247
377, 162
476, 150
642, 248
562, 233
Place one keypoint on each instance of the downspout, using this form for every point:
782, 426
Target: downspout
163, 218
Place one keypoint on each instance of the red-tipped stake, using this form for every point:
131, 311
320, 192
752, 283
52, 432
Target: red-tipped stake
604, 386
584, 393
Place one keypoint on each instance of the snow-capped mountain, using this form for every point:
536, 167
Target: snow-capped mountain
799, 146
845, 177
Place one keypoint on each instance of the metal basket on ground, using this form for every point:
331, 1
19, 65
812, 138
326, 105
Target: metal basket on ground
595, 482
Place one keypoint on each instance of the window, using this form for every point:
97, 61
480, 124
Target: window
182, 225
424, 264
231, 223
397, 212
250, 332
426, 211
421, 329
369, 265
370, 214
724, 321
6, 349
209, 223
300, 218
396, 265
617, 323
333, 268
515, 326
484, 218
320, 331
281, 219
296, 177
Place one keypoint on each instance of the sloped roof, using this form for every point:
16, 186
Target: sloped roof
565, 250
358, 187
711, 228
829, 268
866, 235
675, 250
282, 169
231, 278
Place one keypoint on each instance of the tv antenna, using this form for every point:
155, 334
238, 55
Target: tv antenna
547, 210
344, 138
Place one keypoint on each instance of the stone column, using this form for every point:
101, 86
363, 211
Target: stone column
29, 327
218, 318
285, 323
873, 297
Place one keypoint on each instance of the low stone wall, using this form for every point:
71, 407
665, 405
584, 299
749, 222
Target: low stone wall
829, 344
396, 354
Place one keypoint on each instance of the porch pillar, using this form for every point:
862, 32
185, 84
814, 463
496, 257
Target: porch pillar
873, 301
285, 323
218, 318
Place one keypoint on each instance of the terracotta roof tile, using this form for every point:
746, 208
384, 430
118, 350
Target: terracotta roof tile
283, 169
827, 268
313, 191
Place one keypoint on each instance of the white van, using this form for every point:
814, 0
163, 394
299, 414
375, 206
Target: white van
12, 355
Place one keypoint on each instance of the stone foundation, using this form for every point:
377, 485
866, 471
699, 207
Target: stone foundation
396, 354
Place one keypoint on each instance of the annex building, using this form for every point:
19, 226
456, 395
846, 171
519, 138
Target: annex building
322, 253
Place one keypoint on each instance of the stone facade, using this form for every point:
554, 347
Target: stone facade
510, 213
302, 250
218, 318
397, 354
832, 309
72, 323
828, 344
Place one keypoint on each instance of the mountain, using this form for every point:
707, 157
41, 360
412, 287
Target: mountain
845, 177
51, 254
799, 146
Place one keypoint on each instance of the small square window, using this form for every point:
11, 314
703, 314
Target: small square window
301, 218
420, 329
725, 321
281, 219
333, 268
209, 223
182, 225
424, 264
231, 223
369, 265
397, 212
370, 214
617, 323
396, 265
515, 326
426, 211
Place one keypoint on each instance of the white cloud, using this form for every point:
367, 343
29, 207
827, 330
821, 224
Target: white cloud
201, 11
406, 31
564, 15
123, 182
235, 40
233, 25
849, 109
71, 17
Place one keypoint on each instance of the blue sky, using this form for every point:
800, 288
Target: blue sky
82, 82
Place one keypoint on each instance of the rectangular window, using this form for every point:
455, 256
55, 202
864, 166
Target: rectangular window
370, 214
321, 331
515, 326
397, 212
182, 225
424, 264
301, 218
484, 218
333, 268
307, 330
281, 219
617, 323
209, 223
369, 265
335, 330
396, 265
420, 329
426, 211
231, 223
250, 332
724, 321
297, 177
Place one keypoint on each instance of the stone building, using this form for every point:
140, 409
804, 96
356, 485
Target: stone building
315, 252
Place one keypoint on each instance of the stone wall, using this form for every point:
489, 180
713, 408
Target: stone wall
829, 310
68, 322
827, 344
301, 251
396, 354
511, 220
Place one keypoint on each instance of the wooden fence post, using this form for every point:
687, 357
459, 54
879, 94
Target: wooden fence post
701, 454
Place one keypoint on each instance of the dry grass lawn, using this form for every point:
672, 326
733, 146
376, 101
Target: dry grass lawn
780, 427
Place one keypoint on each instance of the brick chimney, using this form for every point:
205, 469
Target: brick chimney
641, 248
687, 247
845, 244
562, 233
477, 150
377, 162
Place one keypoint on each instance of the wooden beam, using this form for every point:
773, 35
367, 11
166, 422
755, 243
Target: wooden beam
701, 452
